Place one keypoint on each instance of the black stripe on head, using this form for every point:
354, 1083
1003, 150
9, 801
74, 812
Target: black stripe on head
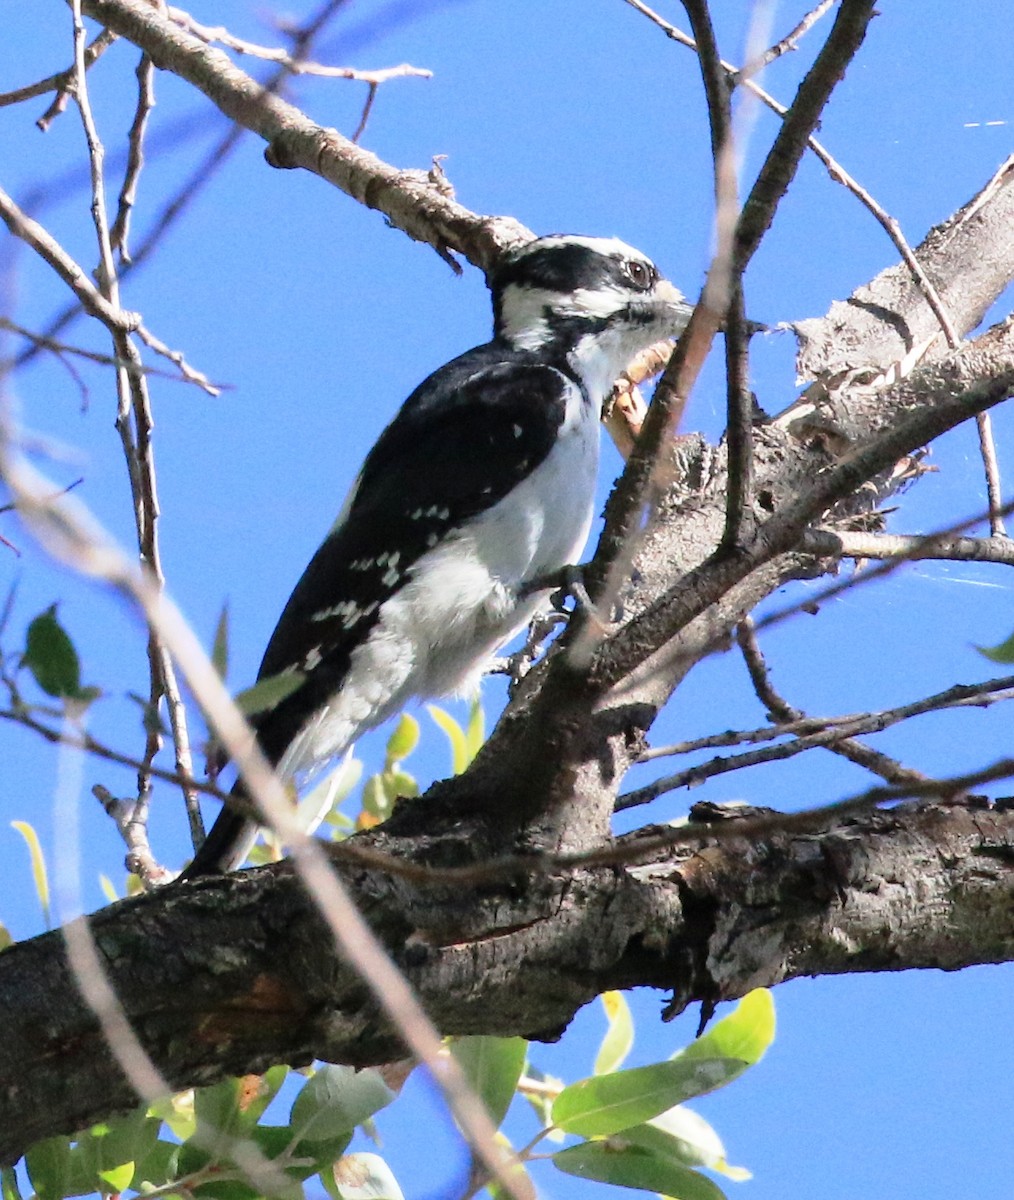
563, 264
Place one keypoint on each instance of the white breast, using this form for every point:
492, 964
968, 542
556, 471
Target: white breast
460, 604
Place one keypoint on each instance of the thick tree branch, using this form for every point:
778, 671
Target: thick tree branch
232, 974
970, 259
410, 200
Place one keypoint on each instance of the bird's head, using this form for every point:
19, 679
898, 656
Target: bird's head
594, 301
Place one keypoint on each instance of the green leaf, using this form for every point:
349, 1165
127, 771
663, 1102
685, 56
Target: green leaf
38, 860
108, 888
627, 1165
9, 1189
403, 740
475, 734
619, 1035
258, 1091
216, 1108
266, 693
374, 802
48, 1164
159, 1165
398, 784
606, 1104
51, 657
118, 1178
460, 757
744, 1034
5, 937
109, 1151
361, 1177
220, 644
177, 1112
683, 1135
327, 795
492, 1066
334, 1100
1004, 653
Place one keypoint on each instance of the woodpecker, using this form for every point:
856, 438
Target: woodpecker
483, 483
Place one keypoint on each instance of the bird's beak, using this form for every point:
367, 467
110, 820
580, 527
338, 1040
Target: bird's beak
670, 295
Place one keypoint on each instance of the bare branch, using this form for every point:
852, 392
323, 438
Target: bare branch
409, 201
51, 252
120, 232
187, 374
837, 173
58, 82
780, 166
970, 256
991, 466
787, 43
908, 415
728, 289
857, 752
84, 741
833, 543
647, 470
294, 64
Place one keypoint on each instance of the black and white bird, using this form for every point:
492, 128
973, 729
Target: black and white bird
482, 483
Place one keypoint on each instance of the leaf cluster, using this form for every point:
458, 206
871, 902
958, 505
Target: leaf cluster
627, 1127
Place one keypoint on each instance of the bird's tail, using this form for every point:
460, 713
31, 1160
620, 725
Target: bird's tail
228, 843
232, 836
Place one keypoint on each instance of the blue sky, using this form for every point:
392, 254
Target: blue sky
574, 117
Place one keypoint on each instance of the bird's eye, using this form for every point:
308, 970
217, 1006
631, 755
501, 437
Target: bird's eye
639, 274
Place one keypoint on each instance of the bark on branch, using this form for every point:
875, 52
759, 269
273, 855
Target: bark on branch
414, 201
232, 974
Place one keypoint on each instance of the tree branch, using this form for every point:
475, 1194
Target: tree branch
925, 886
409, 199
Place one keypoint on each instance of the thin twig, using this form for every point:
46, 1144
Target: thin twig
205, 171
120, 232
889, 224
777, 707
644, 847
739, 403
185, 374
134, 423
991, 467
835, 170
739, 424
360, 129
647, 469
50, 251
791, 40
912, 547
959, 695
713, 578
21, 715
116, 319
798, 124
293, 63
134, 831
58, 82
190, 374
